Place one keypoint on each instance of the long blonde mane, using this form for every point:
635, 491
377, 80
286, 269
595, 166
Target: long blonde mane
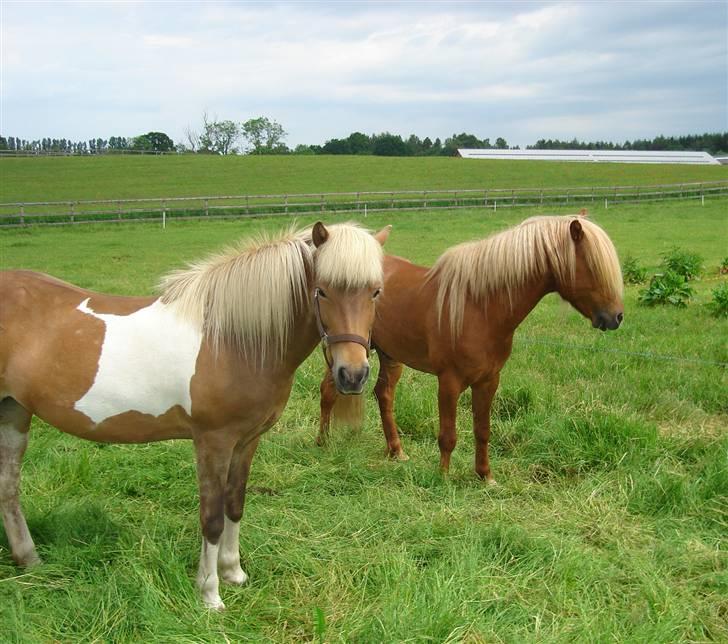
506, 261
247, 297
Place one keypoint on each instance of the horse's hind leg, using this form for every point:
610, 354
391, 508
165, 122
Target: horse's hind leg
229, 556
389, 375
14, 426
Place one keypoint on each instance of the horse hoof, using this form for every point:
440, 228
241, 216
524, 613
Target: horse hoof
236, 578
29, 561
214, 604
397, 455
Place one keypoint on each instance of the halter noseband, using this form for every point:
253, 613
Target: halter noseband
327, 340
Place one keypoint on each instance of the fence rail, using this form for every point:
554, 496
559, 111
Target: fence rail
157, 208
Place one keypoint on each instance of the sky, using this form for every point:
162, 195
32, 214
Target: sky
518, 70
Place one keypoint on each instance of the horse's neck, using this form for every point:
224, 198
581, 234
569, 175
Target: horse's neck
507, 313
304, 338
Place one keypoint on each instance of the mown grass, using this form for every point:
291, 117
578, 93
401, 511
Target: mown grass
119, 177
608, 522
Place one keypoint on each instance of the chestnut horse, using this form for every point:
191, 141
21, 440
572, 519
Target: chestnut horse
457, 319
212, 359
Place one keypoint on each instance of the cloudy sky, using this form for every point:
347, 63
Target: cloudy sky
520, 70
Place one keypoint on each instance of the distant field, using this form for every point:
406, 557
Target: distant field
119, 177
609, 522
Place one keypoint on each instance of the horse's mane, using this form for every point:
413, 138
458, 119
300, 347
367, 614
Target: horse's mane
247, 296
505, 261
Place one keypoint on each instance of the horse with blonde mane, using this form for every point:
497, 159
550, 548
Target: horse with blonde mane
212, 359
456, 320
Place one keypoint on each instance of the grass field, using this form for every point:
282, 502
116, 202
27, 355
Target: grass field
611, 453
78, 178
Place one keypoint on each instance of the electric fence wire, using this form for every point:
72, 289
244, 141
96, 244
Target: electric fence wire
634, 354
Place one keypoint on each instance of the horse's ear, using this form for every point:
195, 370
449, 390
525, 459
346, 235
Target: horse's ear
319, 234
577, 232
382, 235
584, 213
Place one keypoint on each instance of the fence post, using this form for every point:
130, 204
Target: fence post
207, 208
73, 213
118, 210
22, 214
286, 202
702, 195
424, 198
391, 205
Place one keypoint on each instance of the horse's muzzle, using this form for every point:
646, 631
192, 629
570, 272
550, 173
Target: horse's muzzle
607, 321
351, 381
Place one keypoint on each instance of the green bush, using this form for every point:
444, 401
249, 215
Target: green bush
684, 263
718, 306
667, 288
632, 272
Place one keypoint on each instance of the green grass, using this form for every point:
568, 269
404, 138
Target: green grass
78, 178
608, 523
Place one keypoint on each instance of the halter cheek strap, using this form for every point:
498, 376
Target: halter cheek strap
327, 340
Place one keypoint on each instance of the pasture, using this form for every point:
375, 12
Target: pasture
115, 177
610, 450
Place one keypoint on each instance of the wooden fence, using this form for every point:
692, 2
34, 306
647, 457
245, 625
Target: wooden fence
157, 209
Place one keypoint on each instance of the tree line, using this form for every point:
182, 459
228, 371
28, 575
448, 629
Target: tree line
262, 135
713, 143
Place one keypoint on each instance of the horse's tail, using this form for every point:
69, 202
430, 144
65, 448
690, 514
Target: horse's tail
348, 411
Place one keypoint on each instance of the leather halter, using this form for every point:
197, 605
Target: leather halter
327, 340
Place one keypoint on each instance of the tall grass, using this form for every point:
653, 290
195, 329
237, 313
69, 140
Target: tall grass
611, 453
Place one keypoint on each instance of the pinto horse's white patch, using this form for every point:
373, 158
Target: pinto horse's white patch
147, 361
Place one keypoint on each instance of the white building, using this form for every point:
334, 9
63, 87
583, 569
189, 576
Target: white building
596, 156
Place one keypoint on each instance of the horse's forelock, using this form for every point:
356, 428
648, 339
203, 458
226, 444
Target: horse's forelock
350, 258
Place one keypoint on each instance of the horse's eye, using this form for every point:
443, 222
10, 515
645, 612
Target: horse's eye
321, 293
377, 293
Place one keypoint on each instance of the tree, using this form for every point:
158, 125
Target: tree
389, 145
501, 144
336, 146
359, 143
153, 142
264, 136
218, 137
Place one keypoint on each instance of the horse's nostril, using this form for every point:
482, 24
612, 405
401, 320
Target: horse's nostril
342, 375
620, 317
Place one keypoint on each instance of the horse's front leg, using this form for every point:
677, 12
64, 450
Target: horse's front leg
448, 392
483, 393
328, 399
214, 452
237, 480
389, 375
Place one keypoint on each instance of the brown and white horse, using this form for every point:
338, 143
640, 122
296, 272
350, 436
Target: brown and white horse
457, 319
212, 359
